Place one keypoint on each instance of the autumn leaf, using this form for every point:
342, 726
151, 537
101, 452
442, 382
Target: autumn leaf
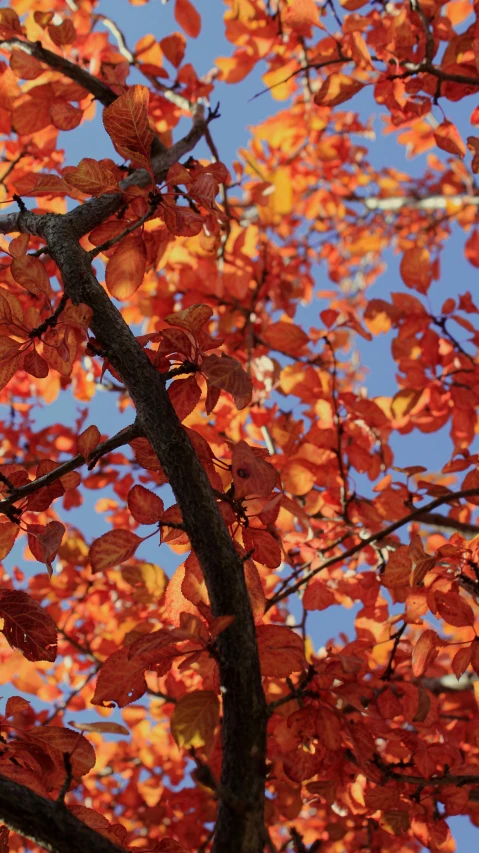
227, 374
188, 18
31, 274
448, 138
126, 268
8, 533
126, 122
92, 177
113, 548
425, 652
415, 268
286, 337
101, 728
336, 89
252, 475
27, 626
194, 720
280, 651
144, 505
454, 609
88, 440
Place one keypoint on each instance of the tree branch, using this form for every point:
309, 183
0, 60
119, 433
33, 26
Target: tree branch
121, 438
48, 823
415, 515
74, 72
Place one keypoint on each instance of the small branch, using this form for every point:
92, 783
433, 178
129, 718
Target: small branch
302, 69
121, 438
390, 667
99, 90
51, 321
438, 520
48, 823
103, 247
374, 537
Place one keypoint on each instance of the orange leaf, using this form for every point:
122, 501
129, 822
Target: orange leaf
336, 89
121, 679
188, 18
44, 542
126, 122
126, 268
226, 373
63, 33
195, 718
8, 534
301, 14
263, 545
453, 609
185, 395
415, 268
113, 548
61, 740
101, 727
24, 66
286, 337
145, 506
88, 440
27, 626
473, 145
317, 596
30, 115
252, 475
449, 139
64, 116
425, 652
281, 651
181, 221
35, 365
398, 568
173, 48
461, 661
31, 274
16, 705
8, 367
191, 319
92, 178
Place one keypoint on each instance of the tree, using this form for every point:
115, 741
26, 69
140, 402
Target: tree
253, 450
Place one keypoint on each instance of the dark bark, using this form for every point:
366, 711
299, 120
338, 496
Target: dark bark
48, 823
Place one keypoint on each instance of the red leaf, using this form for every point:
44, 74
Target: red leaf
121, 680
173, 48
92, 177
35, 365
281, 651
31, 274
64, 116
286, 337
8, 534
453, 609
27, 626
113, 548
184, 394
264, 546
126, 122
145, 506
252, 475
44, 542
191, 319
188, 18
88, 440
416, 270
16, 705
425, 652
317, 596
226, 373
126, 268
